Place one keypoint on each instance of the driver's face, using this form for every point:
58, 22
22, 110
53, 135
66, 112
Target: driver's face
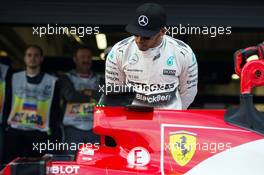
145, 43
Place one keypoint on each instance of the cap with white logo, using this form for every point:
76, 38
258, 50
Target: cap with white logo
148, 20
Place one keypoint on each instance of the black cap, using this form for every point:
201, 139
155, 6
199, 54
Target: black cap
148, 21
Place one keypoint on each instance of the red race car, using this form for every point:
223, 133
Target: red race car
155, 141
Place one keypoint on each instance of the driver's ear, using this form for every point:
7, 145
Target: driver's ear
163, 31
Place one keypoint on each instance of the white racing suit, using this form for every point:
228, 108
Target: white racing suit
163, 77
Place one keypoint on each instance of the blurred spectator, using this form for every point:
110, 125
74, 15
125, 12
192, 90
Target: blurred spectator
79, 92
34, 116
5, 102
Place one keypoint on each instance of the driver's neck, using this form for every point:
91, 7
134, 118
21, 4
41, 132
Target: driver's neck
158, 43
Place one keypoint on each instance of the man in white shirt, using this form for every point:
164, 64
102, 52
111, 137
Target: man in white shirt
162, 70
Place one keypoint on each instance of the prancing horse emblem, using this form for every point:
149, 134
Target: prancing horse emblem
182, 146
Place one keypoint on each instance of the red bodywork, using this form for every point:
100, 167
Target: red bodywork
150, 130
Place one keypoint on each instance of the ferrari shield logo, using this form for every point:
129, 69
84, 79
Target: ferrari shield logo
182, 146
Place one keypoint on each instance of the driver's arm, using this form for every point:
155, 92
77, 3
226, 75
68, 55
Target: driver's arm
114, 74
188, 79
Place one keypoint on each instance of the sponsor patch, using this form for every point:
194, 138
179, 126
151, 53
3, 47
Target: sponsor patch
111, 55
170, 61
133, 76
169, 72
133, 59
154, 99
134, 70
61, 169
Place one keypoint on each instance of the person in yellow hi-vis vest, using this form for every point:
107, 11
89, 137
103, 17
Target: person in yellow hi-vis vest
5, 101
33, 117
79, 92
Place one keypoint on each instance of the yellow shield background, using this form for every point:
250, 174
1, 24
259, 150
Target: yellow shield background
182, 146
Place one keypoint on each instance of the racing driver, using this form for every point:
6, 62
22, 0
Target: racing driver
162, 70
